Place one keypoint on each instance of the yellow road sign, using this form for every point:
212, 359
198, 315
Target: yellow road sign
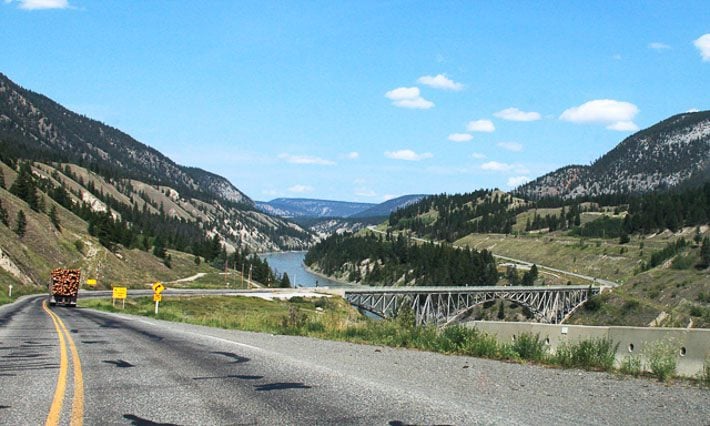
157, 297
91, 282
120, 292
158, 287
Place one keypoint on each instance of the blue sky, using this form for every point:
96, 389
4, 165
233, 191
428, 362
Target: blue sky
365, 101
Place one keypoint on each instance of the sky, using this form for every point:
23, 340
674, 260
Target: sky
366, 100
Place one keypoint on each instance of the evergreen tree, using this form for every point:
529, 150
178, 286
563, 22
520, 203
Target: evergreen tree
705, 251
21, 224
285, 281
25, 188
3, 215
2, 179
501, 311
54, 218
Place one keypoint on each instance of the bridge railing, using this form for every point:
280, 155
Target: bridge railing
443, 305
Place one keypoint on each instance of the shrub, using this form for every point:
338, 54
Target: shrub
591, 354
705, 374
662, 361
529, 347
631, 365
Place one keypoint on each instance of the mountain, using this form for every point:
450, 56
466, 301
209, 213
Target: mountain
674, 152
34, 127
110, 171
389, 206
304, 207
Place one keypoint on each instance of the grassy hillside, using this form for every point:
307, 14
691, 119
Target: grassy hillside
674, 294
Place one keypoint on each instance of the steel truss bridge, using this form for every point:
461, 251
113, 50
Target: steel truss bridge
445, 305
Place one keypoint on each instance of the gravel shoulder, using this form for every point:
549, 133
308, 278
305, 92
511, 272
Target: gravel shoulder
482, 391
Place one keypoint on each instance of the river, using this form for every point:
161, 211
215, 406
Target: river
291, 262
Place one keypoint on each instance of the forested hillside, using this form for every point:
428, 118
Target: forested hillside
391, 260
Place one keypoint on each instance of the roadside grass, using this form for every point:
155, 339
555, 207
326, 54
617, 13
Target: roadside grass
334, 319
7, 280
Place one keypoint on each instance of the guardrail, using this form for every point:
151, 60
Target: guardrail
692, 345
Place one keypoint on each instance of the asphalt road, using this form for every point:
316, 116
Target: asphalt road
141, 371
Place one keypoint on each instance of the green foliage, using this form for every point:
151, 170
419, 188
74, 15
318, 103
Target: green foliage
662, 359
79, 244
669, 251
501, 311
20, 224
427, 264
285, 282
631, 365
457, 215
705, 252
681, 262
529, 347
704, 377
530, 276
605, 227
25, 187
54, 218
4, 218
591, 354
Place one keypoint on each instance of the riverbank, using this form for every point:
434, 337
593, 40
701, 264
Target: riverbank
327, 277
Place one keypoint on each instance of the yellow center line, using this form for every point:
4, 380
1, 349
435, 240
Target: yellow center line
77, 408
77, 412
56, 409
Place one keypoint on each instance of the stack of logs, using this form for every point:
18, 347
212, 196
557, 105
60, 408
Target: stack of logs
65, 281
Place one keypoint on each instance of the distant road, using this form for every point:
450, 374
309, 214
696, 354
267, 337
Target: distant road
594, 280
120, 369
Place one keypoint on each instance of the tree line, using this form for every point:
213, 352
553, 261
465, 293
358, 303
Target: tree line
374, 259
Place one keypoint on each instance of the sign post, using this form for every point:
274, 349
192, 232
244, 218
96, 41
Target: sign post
91, 282
119, 293
158, 288
10, 291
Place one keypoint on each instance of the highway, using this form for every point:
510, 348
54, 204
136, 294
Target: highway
79, 366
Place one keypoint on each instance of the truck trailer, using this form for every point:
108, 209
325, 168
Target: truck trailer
64, 286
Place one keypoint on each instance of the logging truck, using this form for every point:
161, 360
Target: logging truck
64, 286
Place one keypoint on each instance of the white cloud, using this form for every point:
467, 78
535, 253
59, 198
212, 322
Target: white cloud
365, 192
305, 159
388, 197
693, 110
460, 137
481, 126
515, 181
617, 115
407, 155
617, 57
408, 97
41, 4
440, 81
658, 46
300, 189
353, 155
511, 146
623, 126
478, 156
703, 45
495, 166
514, 114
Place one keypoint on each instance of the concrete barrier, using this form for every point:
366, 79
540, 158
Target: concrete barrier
692, 345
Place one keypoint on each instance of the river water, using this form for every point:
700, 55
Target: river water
292, 263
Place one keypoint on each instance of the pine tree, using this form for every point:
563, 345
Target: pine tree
54, 217
3, 215
285, 281
24, 186
705, 251
21, 224
501, 311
